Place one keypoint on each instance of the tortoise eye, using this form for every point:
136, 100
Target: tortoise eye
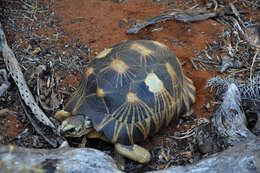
68, 131
71, 130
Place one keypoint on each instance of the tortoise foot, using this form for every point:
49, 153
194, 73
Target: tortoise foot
134, 152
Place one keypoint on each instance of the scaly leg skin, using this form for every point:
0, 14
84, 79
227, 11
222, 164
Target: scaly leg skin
134, 152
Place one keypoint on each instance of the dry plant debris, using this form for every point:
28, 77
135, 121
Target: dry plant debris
45, 60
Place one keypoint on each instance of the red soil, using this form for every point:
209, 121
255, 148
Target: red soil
104, 23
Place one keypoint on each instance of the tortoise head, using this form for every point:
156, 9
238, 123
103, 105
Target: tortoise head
75, 126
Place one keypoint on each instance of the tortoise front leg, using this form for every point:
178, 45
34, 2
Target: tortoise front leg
134, 152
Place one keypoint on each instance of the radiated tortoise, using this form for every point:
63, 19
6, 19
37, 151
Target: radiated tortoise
127, 93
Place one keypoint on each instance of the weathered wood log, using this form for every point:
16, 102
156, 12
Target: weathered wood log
230, 120
244, 157
64, 159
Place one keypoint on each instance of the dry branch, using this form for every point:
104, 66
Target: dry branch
16, 73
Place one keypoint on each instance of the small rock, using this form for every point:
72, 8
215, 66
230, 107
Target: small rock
205, 147
119, 1
122, 23
227, 62
207, 105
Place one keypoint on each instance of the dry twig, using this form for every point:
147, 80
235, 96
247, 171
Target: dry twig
16, 73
